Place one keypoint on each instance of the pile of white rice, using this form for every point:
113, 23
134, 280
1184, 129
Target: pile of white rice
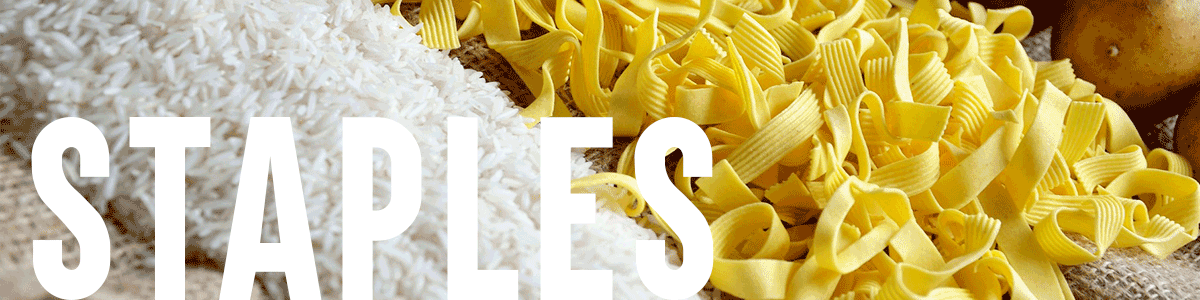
314, 61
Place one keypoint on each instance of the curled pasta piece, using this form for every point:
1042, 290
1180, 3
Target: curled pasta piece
1058, 174
817, 20
1099, 224
795, 41
1082, 125
918, 120
1059, 73
782, 134
633, 205
972, 106
912, 175
1017, 20
754, 271
844, 22
843, 74
1165, 160
930, 81
759, 51
1100, 170
440, 30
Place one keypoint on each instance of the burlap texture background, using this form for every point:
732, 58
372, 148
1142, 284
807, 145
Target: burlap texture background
24, 218
1122, 273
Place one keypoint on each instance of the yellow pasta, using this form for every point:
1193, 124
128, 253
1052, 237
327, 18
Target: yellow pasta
930, 82
1101, 169
438, 19
971, 107
861, 148
1059, 73
783, 133
817, 20
913, 175
1083, 123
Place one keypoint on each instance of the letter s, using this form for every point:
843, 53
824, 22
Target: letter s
74, 211
674, 207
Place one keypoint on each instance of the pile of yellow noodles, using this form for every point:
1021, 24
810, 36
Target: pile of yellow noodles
862, 148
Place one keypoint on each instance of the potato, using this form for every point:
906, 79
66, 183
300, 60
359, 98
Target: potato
1140, 53
1187, 133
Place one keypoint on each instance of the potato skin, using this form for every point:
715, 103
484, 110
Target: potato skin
1187, 132
1140, 53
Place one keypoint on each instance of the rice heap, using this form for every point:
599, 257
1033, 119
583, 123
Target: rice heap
315, 61
861, 148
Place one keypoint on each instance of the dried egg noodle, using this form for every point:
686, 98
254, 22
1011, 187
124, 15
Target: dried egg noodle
863, 149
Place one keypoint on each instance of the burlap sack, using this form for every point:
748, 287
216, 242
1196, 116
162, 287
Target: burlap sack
1130, 273
1122, 273
24, 218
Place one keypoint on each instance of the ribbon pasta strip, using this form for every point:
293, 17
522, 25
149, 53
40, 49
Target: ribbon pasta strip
861, 148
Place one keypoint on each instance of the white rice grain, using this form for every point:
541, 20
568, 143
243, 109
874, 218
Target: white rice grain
316, 61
